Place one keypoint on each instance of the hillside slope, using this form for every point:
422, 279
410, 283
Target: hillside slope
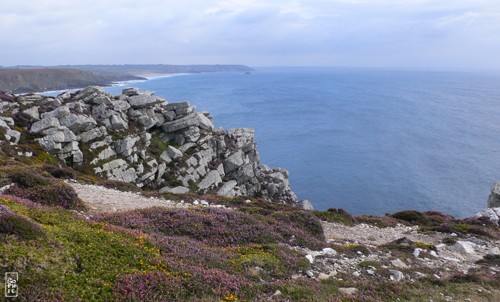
43, 79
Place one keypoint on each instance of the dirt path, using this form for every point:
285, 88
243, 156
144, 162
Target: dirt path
372, 235
102, 199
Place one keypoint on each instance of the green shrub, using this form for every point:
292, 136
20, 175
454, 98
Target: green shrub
409, 216
60, 172
335, 215
28, 178
157, 145
55, 193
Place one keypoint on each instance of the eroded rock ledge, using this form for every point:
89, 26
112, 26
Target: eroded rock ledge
141, 138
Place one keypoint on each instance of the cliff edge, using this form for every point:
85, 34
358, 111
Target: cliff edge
141, 138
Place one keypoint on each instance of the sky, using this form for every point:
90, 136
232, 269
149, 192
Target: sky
423, 34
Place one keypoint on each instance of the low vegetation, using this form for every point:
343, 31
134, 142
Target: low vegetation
244, 252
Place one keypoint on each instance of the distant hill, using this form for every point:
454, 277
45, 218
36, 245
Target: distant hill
161, 68
21, 80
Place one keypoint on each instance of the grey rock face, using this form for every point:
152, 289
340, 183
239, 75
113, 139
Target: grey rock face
129, 138
13, 136
131, 91
493, 214
174, 153
33, 112
57, 113
144, 101
92, 134
116, 122
306, 205
227, 189
46, 123
234, 161
494, 199
212, 179
396, 275
77, 123
177, 106
176, 190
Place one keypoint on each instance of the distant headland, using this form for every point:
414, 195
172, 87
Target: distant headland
24, 79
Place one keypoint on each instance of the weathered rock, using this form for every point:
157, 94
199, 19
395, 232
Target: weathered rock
169, 116
116, 122
234, 161
227, 188
493, 214
396, 275
494, 199
348, 291
306, 205
211, 180
88, 94
176, 106
399, 264
204, 122
176, 190
131, 91
13, 136
165, 157
29, 98
174, 152
119, 130
92, 134
144, 101
147, 122
33, 112
77, 123
184, 111
46, 123
57, 113
465, 247
124, 146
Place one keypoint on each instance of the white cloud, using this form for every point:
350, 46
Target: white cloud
256, 32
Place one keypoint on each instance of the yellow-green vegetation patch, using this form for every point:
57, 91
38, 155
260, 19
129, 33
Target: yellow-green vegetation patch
75, 259
336, 215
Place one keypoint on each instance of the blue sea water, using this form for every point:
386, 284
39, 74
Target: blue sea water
368, 141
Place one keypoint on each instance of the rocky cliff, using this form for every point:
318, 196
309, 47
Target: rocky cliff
141, 138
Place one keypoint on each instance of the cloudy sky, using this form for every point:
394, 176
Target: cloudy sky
437, 34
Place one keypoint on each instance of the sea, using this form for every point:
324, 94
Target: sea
369, 141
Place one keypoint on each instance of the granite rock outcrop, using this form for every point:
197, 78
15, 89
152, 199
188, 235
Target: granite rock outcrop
141, 138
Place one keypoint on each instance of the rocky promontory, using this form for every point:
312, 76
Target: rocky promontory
141, 138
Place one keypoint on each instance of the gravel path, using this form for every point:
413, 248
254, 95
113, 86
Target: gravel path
108, 200
372, 235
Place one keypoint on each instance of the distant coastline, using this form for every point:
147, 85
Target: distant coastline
31, 79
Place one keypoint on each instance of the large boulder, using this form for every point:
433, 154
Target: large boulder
77, 123
45, 123
192, 119
234, 161
212, 179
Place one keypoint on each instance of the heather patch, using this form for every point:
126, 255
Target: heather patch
36, 184
17, 225
220, 227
